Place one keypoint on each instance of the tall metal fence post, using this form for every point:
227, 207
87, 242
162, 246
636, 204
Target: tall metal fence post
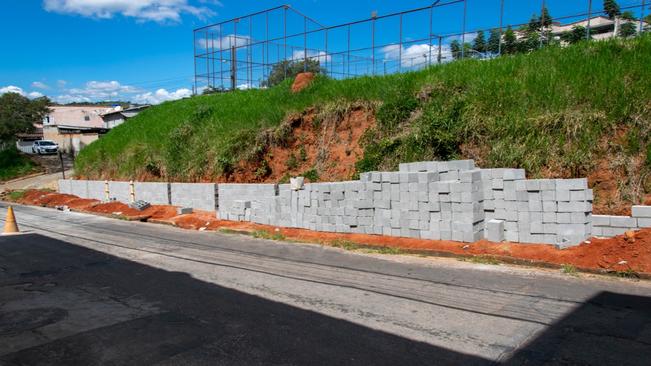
304, 44
542, 23
285, 41
463, 29
194, 47
221, 57
400, 47
440, 49
373, 45
642, 17
348, 55
429, 48
499, 43
326, 52
589, 28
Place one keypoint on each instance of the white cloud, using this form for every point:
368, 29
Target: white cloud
161, 95
416, 55
311, 54
67, 98
102, 90
40, 85
227, 42
19, 90
61, 84
142, 10
12, 89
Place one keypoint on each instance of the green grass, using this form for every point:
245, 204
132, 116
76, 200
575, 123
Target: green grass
16, 195
14, 165
556, 109
482, 259
261, 234
569, 269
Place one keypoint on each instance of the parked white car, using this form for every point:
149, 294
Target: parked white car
45, 147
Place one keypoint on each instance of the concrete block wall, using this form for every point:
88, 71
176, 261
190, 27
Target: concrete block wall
65, 186
152, 192
609, 226
96, 190
120, 191
200, 196
450, 200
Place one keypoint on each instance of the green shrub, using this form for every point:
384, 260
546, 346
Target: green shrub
14, 165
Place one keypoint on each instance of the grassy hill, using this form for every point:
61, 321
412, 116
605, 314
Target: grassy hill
583, 110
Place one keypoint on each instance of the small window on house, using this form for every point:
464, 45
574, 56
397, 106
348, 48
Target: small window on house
86, 118
47, 119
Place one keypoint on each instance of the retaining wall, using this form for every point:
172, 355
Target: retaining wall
431, 200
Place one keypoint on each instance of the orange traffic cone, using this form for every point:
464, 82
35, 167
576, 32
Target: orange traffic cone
11, 227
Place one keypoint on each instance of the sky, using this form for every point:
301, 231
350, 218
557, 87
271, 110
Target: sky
142, 50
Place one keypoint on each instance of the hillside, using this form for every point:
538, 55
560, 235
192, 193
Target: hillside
583, 110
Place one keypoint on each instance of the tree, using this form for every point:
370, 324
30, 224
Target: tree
288, 69
18, 114
577, 34
611, 8
510, 41
455, 49
479, 44
627, 27
546, 19
534, 24
494, 39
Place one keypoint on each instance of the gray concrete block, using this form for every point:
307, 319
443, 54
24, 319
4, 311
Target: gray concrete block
644, 222
641, 211
623, 222
495, 231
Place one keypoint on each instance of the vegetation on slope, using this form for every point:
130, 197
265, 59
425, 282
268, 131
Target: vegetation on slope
561, 112
14, 165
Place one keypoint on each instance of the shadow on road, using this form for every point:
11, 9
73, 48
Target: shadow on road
194, 323
123, 312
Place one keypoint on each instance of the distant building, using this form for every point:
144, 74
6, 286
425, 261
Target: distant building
72, 127
601, 27
117, 116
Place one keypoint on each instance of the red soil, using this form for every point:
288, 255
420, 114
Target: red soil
630, 252
331, 148
302, 81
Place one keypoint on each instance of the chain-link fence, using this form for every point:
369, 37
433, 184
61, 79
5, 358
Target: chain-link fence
263, 48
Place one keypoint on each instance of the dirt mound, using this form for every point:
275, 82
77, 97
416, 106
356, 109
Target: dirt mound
302, 81
322, 145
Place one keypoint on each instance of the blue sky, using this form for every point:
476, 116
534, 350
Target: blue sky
142, 50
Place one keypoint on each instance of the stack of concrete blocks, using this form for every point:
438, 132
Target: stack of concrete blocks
609, 226
247, 202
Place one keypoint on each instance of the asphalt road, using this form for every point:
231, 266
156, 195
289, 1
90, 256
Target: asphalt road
82, 290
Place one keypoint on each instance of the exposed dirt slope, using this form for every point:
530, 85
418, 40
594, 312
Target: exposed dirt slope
322, 145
